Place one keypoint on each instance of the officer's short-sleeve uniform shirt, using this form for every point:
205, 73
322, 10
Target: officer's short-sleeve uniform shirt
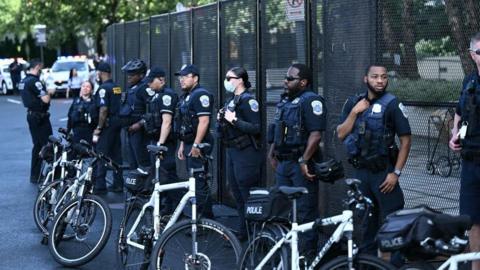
32, 91
314, 114
395, 113
108, 95
167, 101
201, 102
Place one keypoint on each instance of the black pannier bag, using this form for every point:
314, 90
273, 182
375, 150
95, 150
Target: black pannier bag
267, 205
405, 230
139, 183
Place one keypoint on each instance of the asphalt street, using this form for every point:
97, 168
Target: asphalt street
20, 246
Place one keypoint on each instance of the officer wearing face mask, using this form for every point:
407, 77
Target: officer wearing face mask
299, 120
239, 128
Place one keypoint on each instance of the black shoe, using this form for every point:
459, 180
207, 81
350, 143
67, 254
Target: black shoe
115, 189
100, 191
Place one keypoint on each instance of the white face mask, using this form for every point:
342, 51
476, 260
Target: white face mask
228, 86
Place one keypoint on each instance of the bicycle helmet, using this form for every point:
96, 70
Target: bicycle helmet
329, 171
135, 66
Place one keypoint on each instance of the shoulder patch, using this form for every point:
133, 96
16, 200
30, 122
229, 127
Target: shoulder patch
205, 100
167, 100
187, 98
317, 107
253, 105
39, 86
377, 108
117, 90
149, 91
102, 93
403, 109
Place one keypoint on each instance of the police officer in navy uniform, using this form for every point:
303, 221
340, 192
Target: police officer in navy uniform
300, 118
36, 99
158, 124
369, 123
195, 109
239, 128
83, 114
133, 107
107, 132
466, 139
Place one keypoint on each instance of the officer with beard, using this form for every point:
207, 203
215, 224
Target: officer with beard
300, 118
369, 123
194, 111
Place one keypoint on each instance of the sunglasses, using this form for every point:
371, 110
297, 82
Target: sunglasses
477, 52
290, 78
229, 78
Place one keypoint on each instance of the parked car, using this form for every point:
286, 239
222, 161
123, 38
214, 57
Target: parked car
58, 75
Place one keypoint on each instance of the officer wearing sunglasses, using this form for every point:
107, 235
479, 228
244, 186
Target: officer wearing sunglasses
239, 129
466, 139
300, 118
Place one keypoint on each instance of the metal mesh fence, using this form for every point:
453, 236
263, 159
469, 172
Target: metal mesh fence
144, 45
422, 43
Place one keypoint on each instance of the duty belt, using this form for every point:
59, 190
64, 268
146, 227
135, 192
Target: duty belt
374, 163
38, 113
239, 142
294, 155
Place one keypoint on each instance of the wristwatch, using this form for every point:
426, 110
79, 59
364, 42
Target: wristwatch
397, 172
195, 145
301, 161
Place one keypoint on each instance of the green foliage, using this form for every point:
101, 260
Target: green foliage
437, 47
425, 90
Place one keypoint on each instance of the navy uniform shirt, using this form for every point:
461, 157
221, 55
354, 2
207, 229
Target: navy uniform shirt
199, 102
395, 113
165, 101
83, 112
109, 95
472, 77
143, 96
313, 111
32, 90
246, 109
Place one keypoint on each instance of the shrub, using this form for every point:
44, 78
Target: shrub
425, 90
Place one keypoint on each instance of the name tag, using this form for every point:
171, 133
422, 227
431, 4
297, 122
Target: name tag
117, 90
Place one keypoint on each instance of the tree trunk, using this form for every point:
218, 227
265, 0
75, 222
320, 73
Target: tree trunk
409, 64
457, 27
391, 43
472, 8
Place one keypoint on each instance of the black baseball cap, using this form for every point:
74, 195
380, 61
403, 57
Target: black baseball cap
155, 72
105, 67
188, 69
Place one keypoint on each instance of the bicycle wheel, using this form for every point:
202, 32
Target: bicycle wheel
421, 265
90, 226
360, 262
258, 248
217, 247
131, 257
430, 167
46, 202
443, 166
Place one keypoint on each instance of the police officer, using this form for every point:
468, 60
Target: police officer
158, 123
300, 118
466, 139
83, 114
37, 101
368, 126
195, 108
239, 128
107, 132
133, 107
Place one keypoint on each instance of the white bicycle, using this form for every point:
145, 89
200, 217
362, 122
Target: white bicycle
163, 242
276, 247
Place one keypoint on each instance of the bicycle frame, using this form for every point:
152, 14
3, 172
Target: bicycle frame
155, 203
345, 226
452, 262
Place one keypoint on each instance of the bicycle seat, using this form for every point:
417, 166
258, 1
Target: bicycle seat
452, 225
157, 149
352, 182
54, 139
293, 192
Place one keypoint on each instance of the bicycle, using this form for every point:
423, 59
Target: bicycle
165, 243
269, 248
82, 227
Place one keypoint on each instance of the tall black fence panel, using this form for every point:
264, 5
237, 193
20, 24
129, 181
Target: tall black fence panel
349, 36
181, 43
144, 50
119, 58
160, 43
205, 57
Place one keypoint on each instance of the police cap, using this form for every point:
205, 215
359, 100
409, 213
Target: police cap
104, 67
155, 72
188, 69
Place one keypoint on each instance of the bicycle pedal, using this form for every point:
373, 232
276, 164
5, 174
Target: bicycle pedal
44, 240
